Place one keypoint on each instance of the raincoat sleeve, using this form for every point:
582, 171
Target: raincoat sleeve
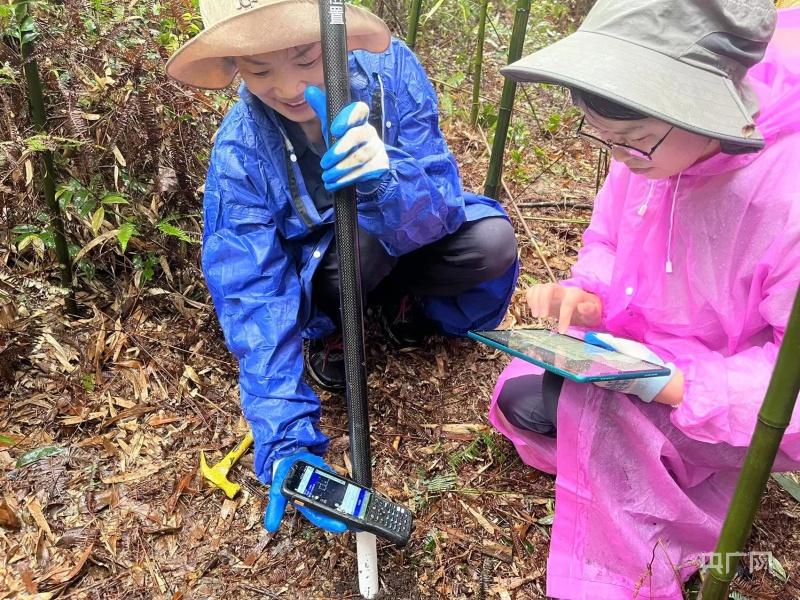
595, 265
422, 199
722, 393
256, 291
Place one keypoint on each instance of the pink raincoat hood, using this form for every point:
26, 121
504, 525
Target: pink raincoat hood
642, 489
728, 229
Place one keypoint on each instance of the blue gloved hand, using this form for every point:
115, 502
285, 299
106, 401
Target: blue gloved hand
646, 388
277, 501
358, 156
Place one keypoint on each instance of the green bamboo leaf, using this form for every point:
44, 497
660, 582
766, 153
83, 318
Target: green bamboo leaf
125, 233
432, 11
113, 198
788, 483
776, 569
37, 454
97, 219
546, 520
26, 241
7, 440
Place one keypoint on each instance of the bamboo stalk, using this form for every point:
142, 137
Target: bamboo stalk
478, 63
773, 418
36, 100
413, 23
506, 101
521, 217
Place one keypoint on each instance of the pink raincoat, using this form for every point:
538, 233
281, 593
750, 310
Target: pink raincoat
642, 489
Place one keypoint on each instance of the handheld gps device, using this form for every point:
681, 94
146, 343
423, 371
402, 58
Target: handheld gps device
343, 499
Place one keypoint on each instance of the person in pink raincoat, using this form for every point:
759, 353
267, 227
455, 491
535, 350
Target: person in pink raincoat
692, 258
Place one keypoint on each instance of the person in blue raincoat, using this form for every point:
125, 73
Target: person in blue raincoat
437, 257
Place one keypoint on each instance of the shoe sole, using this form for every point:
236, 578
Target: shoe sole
316, 379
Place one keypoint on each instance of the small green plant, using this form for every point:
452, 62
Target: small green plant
483, 447
432, 542
88, 382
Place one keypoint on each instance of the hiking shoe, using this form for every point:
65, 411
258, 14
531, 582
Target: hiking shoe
404, 323
325, 362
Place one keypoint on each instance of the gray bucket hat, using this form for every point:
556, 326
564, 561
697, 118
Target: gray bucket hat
680, 61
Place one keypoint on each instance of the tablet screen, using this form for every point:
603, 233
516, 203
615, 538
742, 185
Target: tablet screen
568, 356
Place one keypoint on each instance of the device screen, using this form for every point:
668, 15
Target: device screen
332, 491
568, 355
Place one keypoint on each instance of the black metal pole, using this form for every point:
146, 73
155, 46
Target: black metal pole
333, 30
337, 86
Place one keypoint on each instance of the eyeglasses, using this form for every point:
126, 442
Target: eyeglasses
609, 145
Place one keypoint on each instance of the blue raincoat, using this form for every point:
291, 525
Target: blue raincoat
264, 238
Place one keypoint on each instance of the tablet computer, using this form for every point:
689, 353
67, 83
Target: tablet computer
568, 356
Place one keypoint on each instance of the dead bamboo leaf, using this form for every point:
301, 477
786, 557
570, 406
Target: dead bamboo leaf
136, 411
106, 498
133, 475
158, 421
181, 485
8, 315
99, 345
103, 237
96, 440
118, 156
38, 516
254, 554
190, 373
27, 580
72, 574
226, 514
459, 428
482, 521
348, 463
8, 518
512, 584
110, 448
61, 354
93, 416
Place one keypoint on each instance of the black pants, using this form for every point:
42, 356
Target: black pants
477, 252
531, 402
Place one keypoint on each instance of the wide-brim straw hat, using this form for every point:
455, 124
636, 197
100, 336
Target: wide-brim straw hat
248, 27
681, 61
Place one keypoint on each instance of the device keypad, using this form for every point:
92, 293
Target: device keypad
390, 516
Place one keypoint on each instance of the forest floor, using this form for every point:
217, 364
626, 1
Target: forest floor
103, 418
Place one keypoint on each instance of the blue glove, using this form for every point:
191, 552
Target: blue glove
277, 501
646, 388
358, 156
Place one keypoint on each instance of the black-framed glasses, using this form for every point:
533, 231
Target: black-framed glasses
609, 145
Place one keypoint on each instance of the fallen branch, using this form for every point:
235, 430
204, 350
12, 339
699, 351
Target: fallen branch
559, 220
493, 549
556, 204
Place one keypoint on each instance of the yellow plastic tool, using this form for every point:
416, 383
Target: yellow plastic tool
218, 474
